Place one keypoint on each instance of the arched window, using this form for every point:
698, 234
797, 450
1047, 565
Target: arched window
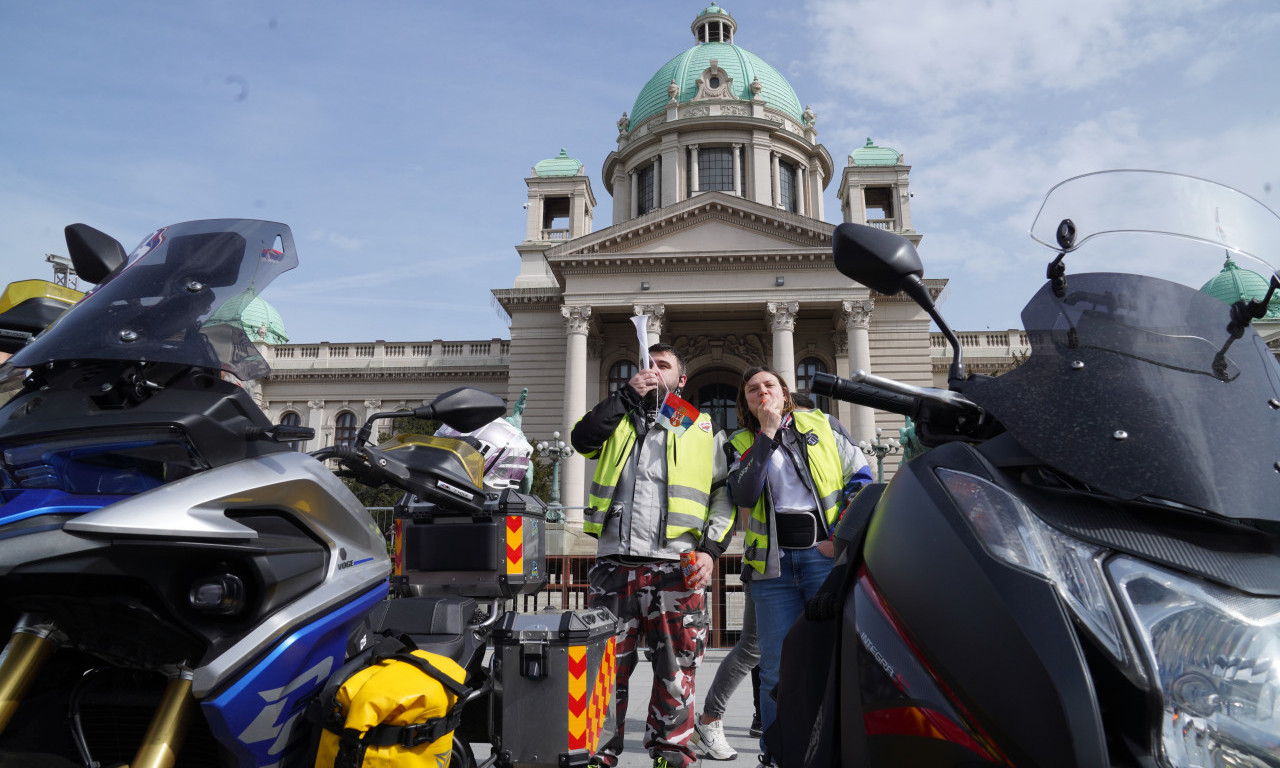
620, 373
804, 382
719, 401
344, 432
292, 419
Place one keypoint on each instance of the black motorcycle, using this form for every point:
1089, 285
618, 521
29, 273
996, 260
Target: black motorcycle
1084, 567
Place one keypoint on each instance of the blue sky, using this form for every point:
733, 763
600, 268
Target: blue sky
394, 136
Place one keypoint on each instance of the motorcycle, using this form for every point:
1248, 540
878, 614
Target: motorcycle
1083, 569
176, 576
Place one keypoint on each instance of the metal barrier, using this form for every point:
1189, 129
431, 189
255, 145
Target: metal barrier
567, 584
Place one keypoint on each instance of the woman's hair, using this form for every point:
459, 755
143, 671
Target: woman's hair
748, 419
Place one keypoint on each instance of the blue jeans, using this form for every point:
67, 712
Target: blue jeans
779, 602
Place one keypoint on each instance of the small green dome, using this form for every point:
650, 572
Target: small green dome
1233, 284
871, 155
258, 319
560, 165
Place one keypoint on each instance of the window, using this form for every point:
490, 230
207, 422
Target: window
715, 169
292, 419
787, 186
645, 190
804, 381
720, 402
620, 373
344, 432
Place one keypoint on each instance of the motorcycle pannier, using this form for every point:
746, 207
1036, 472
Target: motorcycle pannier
555, 705
498, 553
390, 707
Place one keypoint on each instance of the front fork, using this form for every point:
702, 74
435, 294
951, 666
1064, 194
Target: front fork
32, 643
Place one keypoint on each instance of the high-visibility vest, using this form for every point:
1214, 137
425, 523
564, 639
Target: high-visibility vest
825, 466
690, 463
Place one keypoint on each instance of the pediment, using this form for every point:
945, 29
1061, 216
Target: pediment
711, 223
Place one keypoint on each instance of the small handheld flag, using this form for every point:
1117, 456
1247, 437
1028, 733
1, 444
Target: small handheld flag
677, 414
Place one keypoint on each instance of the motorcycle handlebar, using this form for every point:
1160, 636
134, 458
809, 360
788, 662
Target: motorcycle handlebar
865, 394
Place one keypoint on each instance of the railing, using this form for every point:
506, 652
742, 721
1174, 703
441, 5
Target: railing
481, 353
888, 224
568, 582
555, 234
991, 344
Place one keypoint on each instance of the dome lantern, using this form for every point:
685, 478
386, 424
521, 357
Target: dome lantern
714, 25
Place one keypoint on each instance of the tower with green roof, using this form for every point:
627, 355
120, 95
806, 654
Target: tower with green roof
560, 208
875, 190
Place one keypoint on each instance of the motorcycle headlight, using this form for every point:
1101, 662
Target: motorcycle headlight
1011, 533
1216, 657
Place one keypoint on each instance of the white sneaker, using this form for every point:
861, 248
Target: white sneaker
711, 737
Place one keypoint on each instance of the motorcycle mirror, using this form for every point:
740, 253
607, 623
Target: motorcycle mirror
881, 260
94, 253
887, 262
465, 409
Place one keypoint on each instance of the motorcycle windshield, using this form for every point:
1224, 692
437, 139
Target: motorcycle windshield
179, 298
1135, 386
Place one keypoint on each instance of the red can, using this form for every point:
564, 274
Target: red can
688, 564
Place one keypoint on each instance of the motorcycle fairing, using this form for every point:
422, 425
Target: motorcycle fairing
988, 629
258, 714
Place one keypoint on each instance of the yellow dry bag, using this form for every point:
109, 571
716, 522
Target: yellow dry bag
391, 708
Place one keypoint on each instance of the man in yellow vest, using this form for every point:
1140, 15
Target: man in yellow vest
655, 495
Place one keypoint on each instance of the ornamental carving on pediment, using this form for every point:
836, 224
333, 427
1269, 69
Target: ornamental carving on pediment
695, 112
730, 109
750, 348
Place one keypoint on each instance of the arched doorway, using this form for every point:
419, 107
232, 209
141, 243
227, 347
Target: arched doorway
715, 393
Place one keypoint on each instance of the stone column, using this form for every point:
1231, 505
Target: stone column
653, 326
857, 323
782, 321
657, 182
693, 169
737, 169
800, 191
773, 161
577, 321
634, 179
840, 344
315, 420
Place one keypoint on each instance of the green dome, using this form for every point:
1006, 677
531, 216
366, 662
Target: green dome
258, 319
738, 63
1233, 284
560, 165
871, 155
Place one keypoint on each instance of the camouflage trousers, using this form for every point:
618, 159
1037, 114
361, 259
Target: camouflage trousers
656, 612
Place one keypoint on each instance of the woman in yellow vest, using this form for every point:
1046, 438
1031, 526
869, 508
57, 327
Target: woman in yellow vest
791, 472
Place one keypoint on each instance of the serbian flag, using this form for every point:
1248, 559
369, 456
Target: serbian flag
677, 414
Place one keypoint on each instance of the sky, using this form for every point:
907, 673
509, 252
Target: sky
394, 136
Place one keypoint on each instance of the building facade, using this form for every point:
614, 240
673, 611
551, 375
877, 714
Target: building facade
717, 239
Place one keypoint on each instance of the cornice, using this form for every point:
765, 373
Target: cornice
528, 298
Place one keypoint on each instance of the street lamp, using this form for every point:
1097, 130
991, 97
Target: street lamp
880, 449
555, 450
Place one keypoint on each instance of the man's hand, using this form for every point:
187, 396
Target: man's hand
644, 381
703, 568
827, 547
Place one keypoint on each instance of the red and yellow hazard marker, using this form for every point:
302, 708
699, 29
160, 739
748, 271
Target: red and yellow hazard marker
589, 716
578, 738
515, 544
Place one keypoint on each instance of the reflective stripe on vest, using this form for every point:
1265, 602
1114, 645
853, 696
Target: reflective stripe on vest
825, 466
688, 479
